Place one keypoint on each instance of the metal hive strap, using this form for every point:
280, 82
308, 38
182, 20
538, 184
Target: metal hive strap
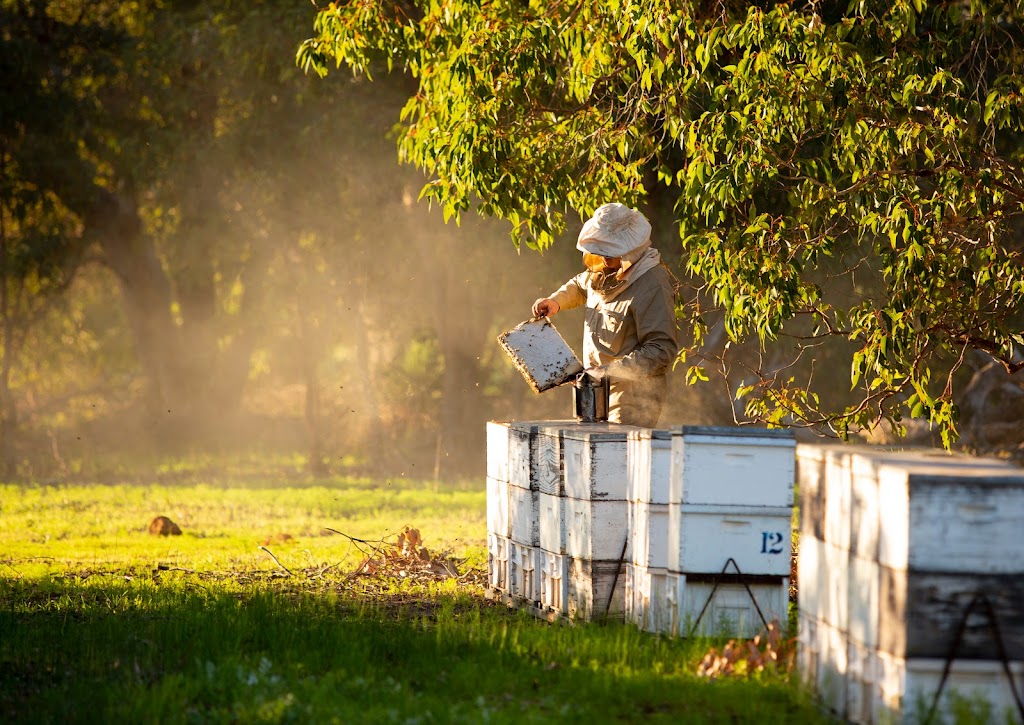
615, 580
718, 580
980, 599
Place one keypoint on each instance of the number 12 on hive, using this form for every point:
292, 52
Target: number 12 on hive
771, 542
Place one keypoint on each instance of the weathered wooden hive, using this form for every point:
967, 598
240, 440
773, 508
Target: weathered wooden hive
596, 517
911, 581
599, 520
566, 517
649, 457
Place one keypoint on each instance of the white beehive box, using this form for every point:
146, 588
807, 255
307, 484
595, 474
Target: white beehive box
881, 602
697, 605
808, 649
509, 452
497, 563
862, 667
822, 652
647, 599
864, 685
497, 507
863, 503
648, 530
521, 437
906, 613
597, 530
594, 457
540, 353
702, 538
497, 450
936, 520
906, 688
553, 533
839, 493
920, 614
649, 458
863, 589
554, 583
864, 512
596, 589
732, 466
524, 523
838, 501
524, 572
813, 460
842, 579
546, 464
824, 573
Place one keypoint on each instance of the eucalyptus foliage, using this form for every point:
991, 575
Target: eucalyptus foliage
840, 171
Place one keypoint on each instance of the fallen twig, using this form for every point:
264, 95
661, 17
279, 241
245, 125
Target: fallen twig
276, 560
374, 545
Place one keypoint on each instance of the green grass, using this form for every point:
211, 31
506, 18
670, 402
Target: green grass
101, 622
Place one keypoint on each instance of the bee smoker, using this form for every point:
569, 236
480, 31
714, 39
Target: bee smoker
590, 398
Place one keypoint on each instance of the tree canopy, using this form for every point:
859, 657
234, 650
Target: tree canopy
844, 176
203, 247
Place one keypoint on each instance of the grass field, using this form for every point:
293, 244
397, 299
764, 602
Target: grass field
102, 622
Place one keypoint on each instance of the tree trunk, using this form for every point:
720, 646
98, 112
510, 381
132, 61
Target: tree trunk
146, 290
7, 411
372, 441
192, 287
461, 433
310, 352
314, 419
990, 406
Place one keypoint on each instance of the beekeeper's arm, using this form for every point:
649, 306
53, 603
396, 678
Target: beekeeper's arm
571, 294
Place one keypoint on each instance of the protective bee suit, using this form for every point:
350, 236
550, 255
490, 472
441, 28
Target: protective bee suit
630, 325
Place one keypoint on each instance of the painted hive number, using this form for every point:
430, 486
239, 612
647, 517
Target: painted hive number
772, 542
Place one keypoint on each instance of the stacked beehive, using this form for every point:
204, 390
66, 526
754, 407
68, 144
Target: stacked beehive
894, 548
500, 505
649, 457
729, 534
512, 503
566, 516
595, 517
547, 463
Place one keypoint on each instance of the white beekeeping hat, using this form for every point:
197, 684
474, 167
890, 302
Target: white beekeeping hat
614, 231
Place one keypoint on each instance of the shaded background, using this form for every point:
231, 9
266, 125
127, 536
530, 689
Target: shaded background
204, 250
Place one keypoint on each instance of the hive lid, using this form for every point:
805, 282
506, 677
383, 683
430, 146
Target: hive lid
735, 432
600, 432
962, 478
541, 354
657, 434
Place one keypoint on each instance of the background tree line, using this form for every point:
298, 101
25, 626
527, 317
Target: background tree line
845, 176
204, 247
201, 246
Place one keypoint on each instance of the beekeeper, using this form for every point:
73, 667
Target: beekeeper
629, 332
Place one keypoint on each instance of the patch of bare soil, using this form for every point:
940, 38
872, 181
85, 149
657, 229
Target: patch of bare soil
163, 526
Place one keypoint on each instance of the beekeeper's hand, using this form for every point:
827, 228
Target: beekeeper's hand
545, 307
